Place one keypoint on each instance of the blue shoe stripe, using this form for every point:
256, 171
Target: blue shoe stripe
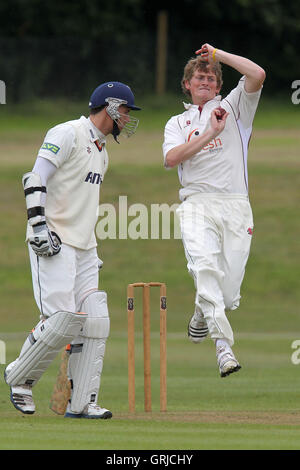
74, 415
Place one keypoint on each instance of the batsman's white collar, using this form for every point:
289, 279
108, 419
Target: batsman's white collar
95, 133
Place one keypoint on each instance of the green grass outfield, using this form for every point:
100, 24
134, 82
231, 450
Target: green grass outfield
258, 408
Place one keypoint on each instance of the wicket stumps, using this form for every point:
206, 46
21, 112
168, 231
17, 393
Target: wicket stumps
146, 332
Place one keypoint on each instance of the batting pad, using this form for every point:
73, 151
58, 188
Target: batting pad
42, 345
87, 352
97, 323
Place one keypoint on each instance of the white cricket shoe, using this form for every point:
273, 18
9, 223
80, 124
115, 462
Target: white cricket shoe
91, 411
197, 329
226, 361
21, 398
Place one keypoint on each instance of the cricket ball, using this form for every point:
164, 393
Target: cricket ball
221, 113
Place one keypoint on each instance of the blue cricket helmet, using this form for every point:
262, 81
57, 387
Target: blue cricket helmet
112, 90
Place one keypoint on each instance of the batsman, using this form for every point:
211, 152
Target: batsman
62, 196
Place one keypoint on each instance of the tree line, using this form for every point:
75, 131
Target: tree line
56, 49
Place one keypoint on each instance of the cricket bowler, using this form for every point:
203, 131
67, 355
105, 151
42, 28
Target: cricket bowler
208, 143
62, 198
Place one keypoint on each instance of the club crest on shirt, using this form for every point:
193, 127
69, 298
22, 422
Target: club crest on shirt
250, 230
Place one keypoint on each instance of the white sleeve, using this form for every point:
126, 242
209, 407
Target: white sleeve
243, 104
173, 135
44, 168
58, 144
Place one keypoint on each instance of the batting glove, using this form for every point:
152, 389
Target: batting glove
43, 242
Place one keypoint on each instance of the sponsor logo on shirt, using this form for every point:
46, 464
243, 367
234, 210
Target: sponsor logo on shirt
53, 148
214, 145
93, 178
194, 132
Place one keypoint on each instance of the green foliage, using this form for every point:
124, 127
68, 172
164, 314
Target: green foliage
54, 50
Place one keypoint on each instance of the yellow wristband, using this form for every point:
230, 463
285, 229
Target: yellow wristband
214, 55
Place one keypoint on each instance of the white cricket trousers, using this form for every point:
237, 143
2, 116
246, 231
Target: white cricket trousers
216, 233
61, 282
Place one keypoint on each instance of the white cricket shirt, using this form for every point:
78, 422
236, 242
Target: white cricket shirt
221, 166
77, 149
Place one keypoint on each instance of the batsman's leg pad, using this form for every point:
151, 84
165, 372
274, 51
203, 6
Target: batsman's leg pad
87, 352
42, 345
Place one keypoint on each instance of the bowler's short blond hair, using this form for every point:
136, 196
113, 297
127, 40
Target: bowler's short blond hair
196, 64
